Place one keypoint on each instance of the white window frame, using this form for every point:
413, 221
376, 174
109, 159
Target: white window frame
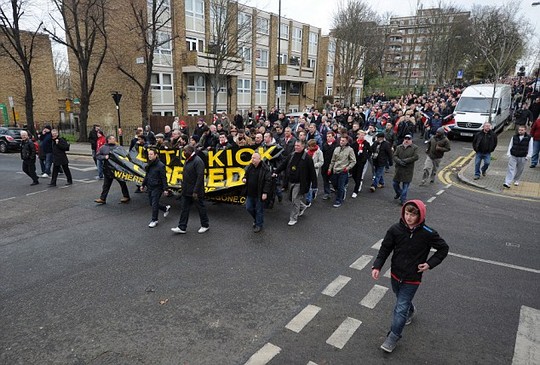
194, 9
329, 91
160, 89
245, 53
195, 44
284, 31
261, 92
284, 58
243, 88
297, 39
332, 46
311, 62
261, 58
329, 70
263, 25
313, 42
163, 52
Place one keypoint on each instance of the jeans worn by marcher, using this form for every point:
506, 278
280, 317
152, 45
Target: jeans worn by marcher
154, 194
255, 207
401, 190
341, 181
536, 152
378, 179
46, 164
403, 309
486, 157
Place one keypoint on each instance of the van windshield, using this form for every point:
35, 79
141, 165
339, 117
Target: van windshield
476, 105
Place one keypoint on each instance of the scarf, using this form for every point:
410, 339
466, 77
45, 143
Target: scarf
311, 152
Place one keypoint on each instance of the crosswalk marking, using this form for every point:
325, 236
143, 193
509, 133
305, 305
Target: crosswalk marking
377, 244
387, 273
374, 296
264, 355
439, 192
335, 286
344, 332
361, 262
303, 318
430, 200
527, 348
311, 363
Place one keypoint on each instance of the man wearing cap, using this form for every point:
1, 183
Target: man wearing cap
436, 147
405, 156
381, 151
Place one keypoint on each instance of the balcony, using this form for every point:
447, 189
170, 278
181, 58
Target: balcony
199, 62
294, 73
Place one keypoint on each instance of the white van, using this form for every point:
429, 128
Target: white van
473, 109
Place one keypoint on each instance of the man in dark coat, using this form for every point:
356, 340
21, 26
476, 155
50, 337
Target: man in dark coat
45, 151
92, 138
155, 182
405, 155
192, 191
437, 146
60, 160
108, 173
328, 150
381, 154
300, 176
28, 157
484, 142
258, 185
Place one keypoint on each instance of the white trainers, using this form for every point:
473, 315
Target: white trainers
203, 229
44, 175
153, 224
177, 230
516, 183
167, 210
354, 195
292, 223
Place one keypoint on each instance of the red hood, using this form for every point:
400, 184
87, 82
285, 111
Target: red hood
420, 205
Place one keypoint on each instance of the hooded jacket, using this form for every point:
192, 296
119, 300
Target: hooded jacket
410, 247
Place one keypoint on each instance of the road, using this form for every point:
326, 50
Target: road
87, 284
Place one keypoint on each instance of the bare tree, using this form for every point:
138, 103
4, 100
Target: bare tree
19, 47
230, 43
498, 36
356, 30
152, 25
84, 25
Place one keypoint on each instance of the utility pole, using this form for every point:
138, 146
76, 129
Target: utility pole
116, 97
278, 88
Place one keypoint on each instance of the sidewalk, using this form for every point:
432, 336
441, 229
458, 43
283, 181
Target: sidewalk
529, 186
80, 149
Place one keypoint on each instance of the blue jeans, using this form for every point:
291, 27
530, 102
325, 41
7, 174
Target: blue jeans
255, 207
153, 198
536, 150
378, 178
100, 168
326, 183
341, 181
404, 306
486, 157
401, 191
46, 164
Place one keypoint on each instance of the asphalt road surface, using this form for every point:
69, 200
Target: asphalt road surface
88, 284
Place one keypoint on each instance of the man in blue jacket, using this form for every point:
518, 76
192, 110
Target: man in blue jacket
410, 240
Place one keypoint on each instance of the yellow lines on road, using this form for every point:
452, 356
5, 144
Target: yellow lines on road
446, 173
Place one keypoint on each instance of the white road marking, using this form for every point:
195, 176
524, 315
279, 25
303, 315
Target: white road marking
65, 187
527, 348
495, 263
387, 273
374, 296
264, 355
36, 192
303, 318
431, 199
6, 199
361, 262
83, 169
335, 286
311, 363
344, 332
377, 244
447, 186
439, 192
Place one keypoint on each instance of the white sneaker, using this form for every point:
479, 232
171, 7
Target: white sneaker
516, 183
167, 210
177, 230
354, 195
203, 229
153, 224
44, 175
292, 223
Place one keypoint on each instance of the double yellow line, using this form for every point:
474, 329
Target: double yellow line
446, 173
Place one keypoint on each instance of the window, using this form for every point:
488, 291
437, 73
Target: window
284, 58
330, 70
263, 25
313, 42
284, 31
261, 92
328, 91
244, 20
162, 12
162, 53
297, 39
311, 63
195, 15
245, 53
244, 91
262, 58
332, 46
294, 88
195, 112
194, 44
196, 88
294, 61
162, 88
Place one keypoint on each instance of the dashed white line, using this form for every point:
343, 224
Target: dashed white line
448, 186
311, 363
439, 192
527, 348
377, 244
6, 199
361, 262
495, 263
264, 355
374, 296
36, 192
431, 199
344, 332
303, 318
335, 286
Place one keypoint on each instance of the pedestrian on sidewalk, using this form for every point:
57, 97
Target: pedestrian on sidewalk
108, 173
60, 161
257, 184
155, 182
519, 152
535, 134
437, 145
484, 143
28, 157
192, 191
410, 240
405, 155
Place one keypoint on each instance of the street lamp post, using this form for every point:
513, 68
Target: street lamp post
116, 97
278, 88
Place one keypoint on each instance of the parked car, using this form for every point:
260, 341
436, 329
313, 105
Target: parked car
10, 139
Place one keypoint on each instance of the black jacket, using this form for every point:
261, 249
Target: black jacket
361, 158
381, 155
264, 179
59, 151
156, 177
328, 151
193, 177
306, 172
105, 150
28, 151
485, 142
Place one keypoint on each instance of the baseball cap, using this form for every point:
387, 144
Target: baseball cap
408, 136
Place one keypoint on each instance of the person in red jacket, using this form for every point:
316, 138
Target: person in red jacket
410, 240
535, 134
